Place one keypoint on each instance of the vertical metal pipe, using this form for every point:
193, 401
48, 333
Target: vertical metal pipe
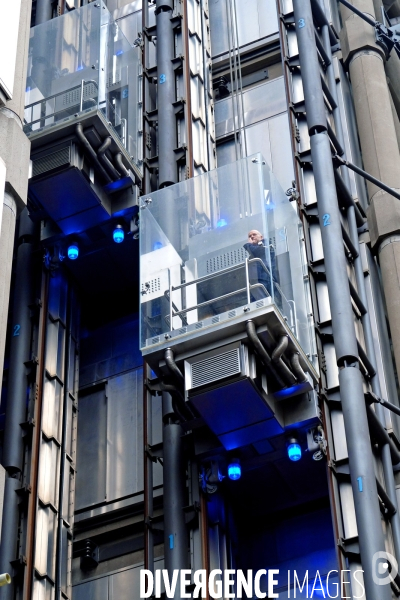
148, 474
44, 11
8, 546
166, 95
351, 389
20, 343
175, 533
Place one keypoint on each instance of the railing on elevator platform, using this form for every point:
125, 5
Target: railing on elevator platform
198, 265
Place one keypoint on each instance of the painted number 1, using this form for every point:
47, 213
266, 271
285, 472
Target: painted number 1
360, 484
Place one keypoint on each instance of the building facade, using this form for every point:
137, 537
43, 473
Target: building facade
199, 299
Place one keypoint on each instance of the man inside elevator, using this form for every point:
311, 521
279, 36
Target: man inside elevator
260, 272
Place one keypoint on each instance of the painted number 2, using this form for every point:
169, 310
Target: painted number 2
326, 219
301, 23
16, 330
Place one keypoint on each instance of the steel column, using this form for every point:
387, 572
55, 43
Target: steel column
351, 390
166, 95
175, 533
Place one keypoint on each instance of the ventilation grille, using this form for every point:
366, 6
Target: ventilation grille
152, 286
228, 259
215, 368
73, 97
51, 161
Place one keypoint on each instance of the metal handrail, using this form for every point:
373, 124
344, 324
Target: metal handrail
247, 289
61, 93
51, 115
186, 310
207, 277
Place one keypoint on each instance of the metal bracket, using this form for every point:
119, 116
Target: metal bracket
287, 19
192, 513
155, 523
155, 453
340, 468
349, 546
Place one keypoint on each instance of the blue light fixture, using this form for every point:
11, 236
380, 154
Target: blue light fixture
118, 234
73, 251
222, 223
234, 469
294, 450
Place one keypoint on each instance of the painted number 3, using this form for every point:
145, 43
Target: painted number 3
162, 78
301, 23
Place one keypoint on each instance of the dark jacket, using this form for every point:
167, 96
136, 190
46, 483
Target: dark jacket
257, 274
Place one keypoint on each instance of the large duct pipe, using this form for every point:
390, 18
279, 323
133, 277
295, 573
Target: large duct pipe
380, 151
351, 389
7, 231
174, 486
19, 347
166, 95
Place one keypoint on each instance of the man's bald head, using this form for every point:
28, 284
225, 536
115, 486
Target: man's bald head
255, 237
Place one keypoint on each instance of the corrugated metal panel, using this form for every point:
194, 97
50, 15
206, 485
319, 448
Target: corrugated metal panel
215, 368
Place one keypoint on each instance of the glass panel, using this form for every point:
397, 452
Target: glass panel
82, 62
255, 20
220, 241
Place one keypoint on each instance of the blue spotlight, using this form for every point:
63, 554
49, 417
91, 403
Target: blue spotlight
222, 223
294, 450
234, 470
118, 234
73, 252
